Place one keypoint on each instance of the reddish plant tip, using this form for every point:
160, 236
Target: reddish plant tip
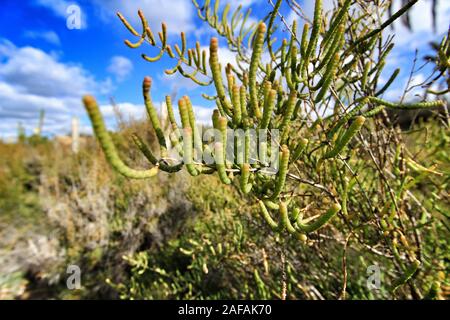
187, 131
89, 101
181, 103
360, 120
262, 27
223, 121
336, 207
147, 83
214, 44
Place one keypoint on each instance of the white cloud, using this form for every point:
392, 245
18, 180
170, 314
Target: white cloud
126, 109
58, 7
46, 35
120, 67
396, 93
31, 80
33, 71
173, 83
243, 3
203, 115
177, 14
137, 111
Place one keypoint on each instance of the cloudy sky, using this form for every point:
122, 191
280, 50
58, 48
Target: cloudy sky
44, 64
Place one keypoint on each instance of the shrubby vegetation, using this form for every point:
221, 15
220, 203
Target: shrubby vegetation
173, 238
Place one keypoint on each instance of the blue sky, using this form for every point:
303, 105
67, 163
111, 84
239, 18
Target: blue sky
44, 64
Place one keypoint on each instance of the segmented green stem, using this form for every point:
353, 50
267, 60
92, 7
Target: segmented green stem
282, 172
304, 42
269, 105
266, 215
285, 218
243, 96
299, 149
170, 112
347, 136
321, 221
188, 152
270, 28
151, 111
245, 176
108, 146
217, 74
337, 20
328, 77
142, 146
413, 105
408, 273
220, 163
237, 109
258, 44
388, 83
184, 113
287, 116
312, 44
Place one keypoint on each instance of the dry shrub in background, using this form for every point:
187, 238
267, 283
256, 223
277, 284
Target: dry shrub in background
84, 219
